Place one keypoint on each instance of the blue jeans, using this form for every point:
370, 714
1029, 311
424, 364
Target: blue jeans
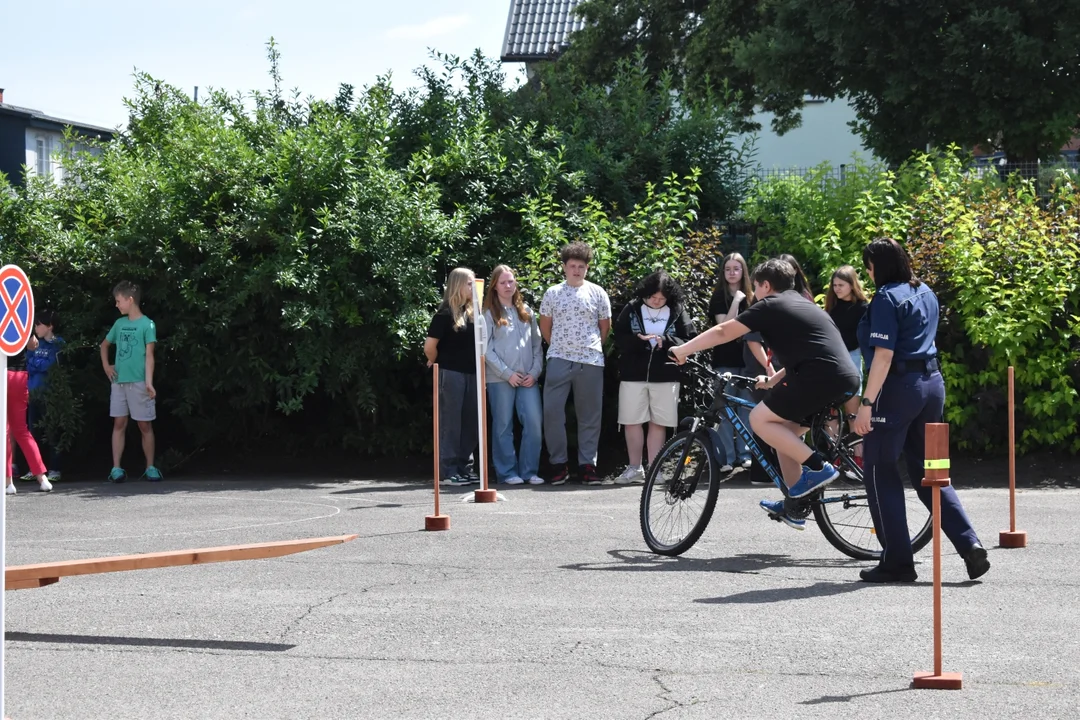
856, 360
728, 438
503, 400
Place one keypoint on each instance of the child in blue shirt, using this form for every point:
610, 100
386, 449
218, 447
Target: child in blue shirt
38, 364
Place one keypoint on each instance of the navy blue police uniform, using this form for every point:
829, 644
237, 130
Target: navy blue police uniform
904, 319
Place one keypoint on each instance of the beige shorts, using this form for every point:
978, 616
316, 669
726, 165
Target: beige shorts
132, 400
656, 402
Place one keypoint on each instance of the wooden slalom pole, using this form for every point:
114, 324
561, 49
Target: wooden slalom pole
438, 521
936, 464
1012, 538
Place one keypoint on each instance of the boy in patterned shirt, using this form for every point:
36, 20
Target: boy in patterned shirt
575, 317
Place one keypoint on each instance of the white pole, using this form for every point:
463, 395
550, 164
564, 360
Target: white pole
480, 334
5, 462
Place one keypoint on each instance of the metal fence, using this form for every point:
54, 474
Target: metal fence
1042, 173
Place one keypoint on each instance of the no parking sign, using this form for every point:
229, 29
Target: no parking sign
16, 308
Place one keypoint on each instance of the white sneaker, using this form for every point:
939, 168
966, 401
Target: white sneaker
44, 485
10, 489
53, 475
536, 480
633, 474
514, 481
747, 463
725, 469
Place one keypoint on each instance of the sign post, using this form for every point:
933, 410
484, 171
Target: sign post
15, 328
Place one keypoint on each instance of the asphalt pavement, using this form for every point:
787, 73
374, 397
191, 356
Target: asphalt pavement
546, 604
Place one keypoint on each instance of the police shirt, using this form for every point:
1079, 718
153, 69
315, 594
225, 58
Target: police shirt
903, 319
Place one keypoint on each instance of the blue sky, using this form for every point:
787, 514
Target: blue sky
75, 59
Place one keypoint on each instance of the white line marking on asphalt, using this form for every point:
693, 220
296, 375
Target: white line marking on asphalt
336, 510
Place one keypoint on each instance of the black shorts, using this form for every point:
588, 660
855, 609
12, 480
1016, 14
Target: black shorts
811, 388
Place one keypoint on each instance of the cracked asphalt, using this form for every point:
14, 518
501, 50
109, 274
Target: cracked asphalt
544, 605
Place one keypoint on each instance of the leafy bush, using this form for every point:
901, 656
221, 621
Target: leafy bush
291, 252
1001, 259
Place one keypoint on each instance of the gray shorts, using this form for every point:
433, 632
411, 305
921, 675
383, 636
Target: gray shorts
131, 399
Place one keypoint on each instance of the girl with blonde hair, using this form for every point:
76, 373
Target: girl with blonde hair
514, 360
451, 343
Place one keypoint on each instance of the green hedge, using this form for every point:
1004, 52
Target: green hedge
1002, 259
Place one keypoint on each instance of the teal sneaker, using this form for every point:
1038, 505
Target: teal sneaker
117, 475
153, 474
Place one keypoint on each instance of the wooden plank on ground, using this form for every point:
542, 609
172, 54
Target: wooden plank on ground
18, 577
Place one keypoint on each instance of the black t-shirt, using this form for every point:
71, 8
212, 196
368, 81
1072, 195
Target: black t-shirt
457, 348
798, 332
751, 366
729, 354
847, 315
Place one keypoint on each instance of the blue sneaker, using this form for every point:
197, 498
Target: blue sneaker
153, 474
117, 475
775, 508
812, 480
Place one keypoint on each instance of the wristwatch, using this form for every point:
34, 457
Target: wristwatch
866, 402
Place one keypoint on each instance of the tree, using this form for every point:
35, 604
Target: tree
694, 42
999, 73
630, 132
1003, 74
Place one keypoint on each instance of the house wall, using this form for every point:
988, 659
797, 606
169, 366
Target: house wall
12, 147
824, 136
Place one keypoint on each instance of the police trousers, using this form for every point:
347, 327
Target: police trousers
907, 402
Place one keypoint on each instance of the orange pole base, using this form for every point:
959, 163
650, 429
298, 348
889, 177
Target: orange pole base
944, 681
1012, 539
485, 496
437, 522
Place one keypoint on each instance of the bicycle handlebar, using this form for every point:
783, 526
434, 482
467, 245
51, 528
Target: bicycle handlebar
742, 381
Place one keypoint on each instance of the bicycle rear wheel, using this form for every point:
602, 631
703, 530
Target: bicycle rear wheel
842, 511
679, 495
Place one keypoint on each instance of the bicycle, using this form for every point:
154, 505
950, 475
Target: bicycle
682, 483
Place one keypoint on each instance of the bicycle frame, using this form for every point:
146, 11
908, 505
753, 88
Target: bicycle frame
748, 438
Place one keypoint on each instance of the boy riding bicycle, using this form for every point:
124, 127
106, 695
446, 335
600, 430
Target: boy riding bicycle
817, 372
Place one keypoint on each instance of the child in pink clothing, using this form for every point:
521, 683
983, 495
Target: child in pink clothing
18, 399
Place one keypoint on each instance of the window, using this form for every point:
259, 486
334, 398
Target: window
42, 146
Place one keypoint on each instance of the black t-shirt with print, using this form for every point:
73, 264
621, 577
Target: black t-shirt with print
457, 348
799, 332
729, 354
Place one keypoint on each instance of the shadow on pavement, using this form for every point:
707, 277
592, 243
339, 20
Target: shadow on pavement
819, 589
848, 698
770, 595
146, 642
642, 561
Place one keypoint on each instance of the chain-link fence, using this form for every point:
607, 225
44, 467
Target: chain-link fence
1042, 174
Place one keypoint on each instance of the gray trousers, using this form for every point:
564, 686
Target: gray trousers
587, 382
458, 432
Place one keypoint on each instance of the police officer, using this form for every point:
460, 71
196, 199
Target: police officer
904, 392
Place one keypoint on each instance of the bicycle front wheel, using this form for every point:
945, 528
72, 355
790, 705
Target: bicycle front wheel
679, 495
842, 511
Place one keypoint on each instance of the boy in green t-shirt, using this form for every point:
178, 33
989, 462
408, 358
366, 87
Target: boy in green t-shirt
132, 378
